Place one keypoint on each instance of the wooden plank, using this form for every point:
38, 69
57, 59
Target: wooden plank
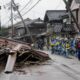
12, 59
10, 63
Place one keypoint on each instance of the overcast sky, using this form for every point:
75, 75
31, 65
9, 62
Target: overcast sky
38, 11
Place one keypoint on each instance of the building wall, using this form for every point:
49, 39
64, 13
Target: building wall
20, 32
33, 30
74, 5
79, 16
75, 13
57, 27
38, 30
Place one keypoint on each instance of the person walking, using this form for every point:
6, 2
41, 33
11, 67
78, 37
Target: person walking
73, 47
67, 47
52, 43
78, 49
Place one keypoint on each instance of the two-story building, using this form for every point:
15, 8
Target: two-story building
35, 27
57, 22
75, 9
58, 25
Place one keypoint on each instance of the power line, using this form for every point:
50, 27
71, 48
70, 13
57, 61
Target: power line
25, 5
31, 7
20, 10
26, 28
28, 10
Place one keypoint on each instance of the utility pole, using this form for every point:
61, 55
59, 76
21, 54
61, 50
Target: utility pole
68, 8
0, 17
26, 28
20, 16
12, 18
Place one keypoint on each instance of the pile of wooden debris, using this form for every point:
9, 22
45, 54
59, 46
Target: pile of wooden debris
12, 51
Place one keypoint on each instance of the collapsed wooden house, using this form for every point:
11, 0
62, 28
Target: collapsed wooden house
12, 51
35, 26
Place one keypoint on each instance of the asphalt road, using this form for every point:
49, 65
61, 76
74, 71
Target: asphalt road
59, 68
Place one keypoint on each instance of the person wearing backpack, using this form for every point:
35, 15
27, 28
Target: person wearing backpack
78, 49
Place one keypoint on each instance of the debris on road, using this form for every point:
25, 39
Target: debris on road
17, 51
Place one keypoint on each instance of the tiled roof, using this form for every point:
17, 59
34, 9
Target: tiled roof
54, 15
27, 22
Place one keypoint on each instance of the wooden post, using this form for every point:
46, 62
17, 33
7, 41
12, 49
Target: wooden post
10, 63
12, 59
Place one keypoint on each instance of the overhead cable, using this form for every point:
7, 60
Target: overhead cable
31, 7
25, 5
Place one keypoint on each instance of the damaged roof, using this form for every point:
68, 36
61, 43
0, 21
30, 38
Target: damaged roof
54, 15
27, 22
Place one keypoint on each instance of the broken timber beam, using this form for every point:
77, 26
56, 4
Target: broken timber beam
12, 59
17, 50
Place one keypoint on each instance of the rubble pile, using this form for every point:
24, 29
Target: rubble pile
12, 51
